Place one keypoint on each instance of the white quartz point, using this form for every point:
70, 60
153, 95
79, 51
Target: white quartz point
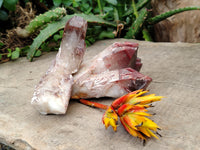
52, 94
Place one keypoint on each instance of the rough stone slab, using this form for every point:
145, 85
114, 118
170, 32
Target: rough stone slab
175, 69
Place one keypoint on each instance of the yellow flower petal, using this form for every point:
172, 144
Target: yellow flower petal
110, 118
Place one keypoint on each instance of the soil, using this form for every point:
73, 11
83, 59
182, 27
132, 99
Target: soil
20, 18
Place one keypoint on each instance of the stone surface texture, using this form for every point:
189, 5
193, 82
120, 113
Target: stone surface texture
175, 69
183, 27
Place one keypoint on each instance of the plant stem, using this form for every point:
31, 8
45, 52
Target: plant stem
139, 5
120, 8
100, 7
136, 27
93, 104
145, 32
116, 15
165, 15
73, 9
146, 35
134, 9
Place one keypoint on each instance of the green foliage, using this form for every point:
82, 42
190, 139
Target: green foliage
57, 2
5, 6
1, 2
58, 36
41, 21
45, 18
106, 34
137, 24
45, 47
104, 20
13, 54
56, 26
1, 44
38, 53
3, 15
138, 6
113, 2
9, 52
10, 4
165, 15
146, 35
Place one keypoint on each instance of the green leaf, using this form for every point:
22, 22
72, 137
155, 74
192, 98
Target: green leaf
136, 27
45, 47
0, 56
42, 20
140, 4
15, 54
67, 2
1, 44
95, 19
165, 15
1, 2
56, 37
116, 15
88, 11
24, 51
57, 2
61, 32
38, 53
85, 5
146, 35
3, 15
9, 52
18, 49
56, 26
106, 34
44, 35
75, 4
107, 9
113, 2
10, 4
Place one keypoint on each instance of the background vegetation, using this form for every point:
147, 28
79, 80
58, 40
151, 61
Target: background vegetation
32, 27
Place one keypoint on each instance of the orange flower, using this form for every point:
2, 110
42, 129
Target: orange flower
132, 111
